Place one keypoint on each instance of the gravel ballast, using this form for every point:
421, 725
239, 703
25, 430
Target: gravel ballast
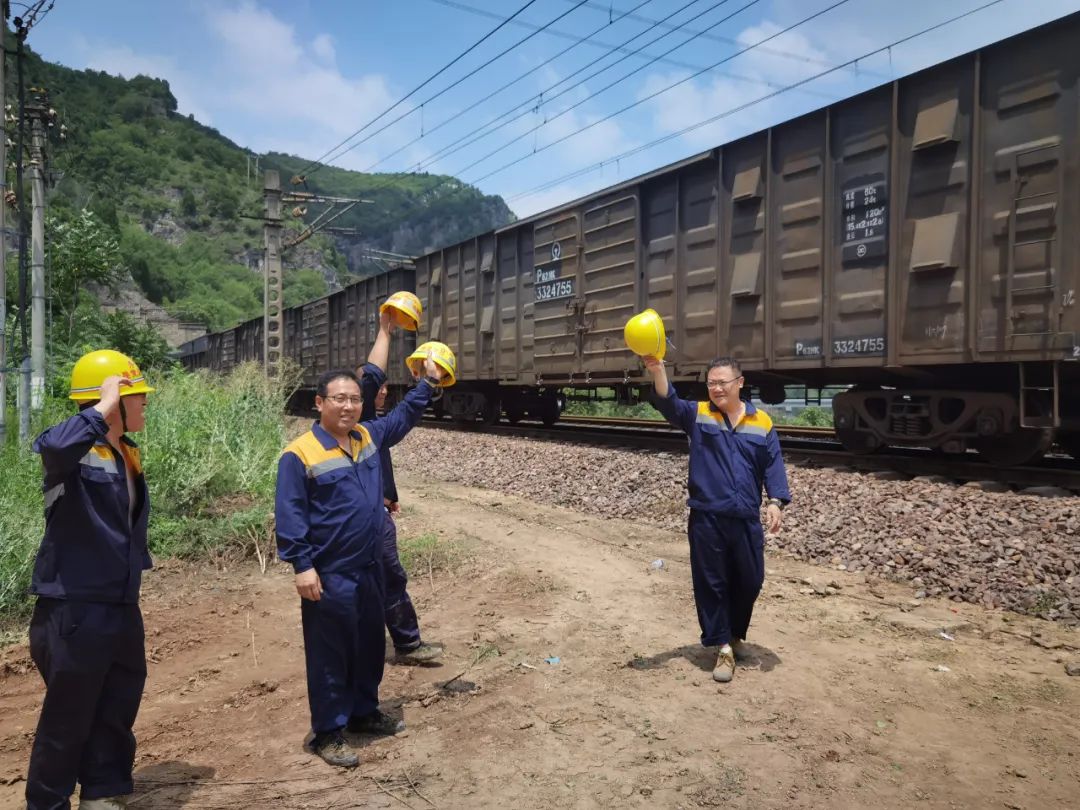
999, 550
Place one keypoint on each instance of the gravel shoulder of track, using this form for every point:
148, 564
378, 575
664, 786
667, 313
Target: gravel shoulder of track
999, 550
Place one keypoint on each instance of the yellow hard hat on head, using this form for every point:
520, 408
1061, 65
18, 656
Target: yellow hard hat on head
405, 309
93, 368
645, 335
442, 355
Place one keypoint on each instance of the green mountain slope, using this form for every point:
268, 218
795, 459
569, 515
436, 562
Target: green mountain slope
184, 202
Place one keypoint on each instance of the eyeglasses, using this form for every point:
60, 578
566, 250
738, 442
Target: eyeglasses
341, 399
713, 385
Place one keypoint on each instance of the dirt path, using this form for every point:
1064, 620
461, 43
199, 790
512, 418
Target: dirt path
844, 705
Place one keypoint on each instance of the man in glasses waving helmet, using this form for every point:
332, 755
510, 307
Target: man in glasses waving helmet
734, 451
329, 521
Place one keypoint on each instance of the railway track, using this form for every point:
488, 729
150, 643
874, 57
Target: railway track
805, 446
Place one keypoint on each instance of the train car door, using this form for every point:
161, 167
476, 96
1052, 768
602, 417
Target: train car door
556, 271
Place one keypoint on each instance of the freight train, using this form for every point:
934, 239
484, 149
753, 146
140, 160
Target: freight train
916, 243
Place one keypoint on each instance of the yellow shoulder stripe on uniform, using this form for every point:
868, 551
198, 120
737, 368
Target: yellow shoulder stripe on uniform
760, 419
318, 460
101, 457
705, 415
365, 447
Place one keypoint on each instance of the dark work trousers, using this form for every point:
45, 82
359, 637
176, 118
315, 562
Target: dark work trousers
92, 658
344, 647
727, 563
400, 617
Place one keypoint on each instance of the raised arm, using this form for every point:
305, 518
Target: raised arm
380, 350
678, 412
396, 425
62, 445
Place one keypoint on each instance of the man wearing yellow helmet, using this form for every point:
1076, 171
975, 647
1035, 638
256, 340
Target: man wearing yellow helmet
86, 634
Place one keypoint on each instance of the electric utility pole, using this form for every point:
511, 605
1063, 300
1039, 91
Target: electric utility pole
273, 226
37, 259
273, 323
3, 234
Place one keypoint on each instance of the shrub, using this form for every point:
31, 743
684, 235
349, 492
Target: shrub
210, 450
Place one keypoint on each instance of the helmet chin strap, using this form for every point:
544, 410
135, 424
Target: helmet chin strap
123, 415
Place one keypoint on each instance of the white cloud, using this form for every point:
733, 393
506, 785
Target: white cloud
272, 78
323, 48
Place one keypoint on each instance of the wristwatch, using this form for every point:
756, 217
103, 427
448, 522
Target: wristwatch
434, 383
776, 502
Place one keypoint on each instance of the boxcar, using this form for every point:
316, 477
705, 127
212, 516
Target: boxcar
911, 242
914, 243
335, 331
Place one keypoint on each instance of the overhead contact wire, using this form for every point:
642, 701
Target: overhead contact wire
713, 119
317, 163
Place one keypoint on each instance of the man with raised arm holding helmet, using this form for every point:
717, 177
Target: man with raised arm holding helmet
330, 517
86, 634
399, 614
734, 450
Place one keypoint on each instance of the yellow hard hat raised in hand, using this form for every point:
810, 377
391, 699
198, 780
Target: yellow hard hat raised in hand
92, 369
405, 309
645, 335
442, 355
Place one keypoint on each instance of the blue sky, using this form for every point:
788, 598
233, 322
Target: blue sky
300, 76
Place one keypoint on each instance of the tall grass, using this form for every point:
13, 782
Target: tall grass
210, 451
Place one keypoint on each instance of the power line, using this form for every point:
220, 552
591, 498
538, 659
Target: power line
316, 164
510, 83
726, 40
636, 103
651, 96
740, 108
725, 19
468, 138
456, 4
468, 75
457, 145
34, 14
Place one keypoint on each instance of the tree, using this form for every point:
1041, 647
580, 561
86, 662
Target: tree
139, 341
81, 251
188, 207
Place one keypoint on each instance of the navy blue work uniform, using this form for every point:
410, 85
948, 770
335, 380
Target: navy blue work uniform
330, 517
86, 634
398, 611
729, 464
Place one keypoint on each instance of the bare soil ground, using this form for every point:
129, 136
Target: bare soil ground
853, 697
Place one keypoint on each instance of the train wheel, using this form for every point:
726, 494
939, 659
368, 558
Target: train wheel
549, 411
492, 411
1022, 446
514, 414
857, 442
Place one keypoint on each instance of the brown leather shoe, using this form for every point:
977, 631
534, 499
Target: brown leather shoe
724, 670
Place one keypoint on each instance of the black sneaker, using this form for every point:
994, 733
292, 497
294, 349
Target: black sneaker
333, 750
377, 723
